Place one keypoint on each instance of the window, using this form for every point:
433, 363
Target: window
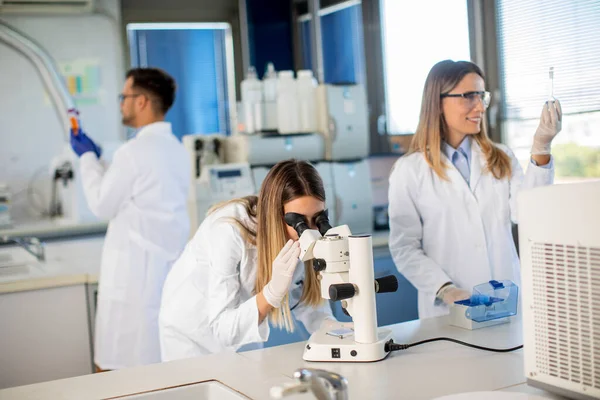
199, 56
343, 53
532, 37
416, 35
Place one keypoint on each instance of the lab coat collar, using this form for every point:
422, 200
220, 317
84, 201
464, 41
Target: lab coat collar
465, 147
155, 128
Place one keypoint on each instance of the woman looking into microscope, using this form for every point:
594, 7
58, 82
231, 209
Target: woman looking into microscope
240, 268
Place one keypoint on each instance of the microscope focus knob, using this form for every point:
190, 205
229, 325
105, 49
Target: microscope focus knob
319, 264
341, 291
386, 284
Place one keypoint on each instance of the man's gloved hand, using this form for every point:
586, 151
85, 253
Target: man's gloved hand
550, 125
81, 144
283, 271
450, 294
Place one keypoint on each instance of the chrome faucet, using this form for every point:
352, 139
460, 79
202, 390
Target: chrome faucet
31, 244
335, 389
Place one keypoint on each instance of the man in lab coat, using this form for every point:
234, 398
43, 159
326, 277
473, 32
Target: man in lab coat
143, 193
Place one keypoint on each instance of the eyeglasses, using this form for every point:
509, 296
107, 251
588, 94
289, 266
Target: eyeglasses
471, 98
122, 96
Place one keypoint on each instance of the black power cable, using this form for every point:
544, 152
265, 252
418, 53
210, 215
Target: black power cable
391, 346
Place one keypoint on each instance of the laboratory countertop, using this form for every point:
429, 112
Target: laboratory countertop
49, 229
423, 372
68, 262
71, 262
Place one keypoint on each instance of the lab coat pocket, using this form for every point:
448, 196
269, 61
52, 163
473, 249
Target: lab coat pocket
136, 273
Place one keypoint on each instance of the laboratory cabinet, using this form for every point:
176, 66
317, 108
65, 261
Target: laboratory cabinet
44, 335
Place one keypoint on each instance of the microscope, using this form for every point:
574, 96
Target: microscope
345, 266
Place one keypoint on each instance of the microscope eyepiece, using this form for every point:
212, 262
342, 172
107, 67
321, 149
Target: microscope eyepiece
322, 222
296, 221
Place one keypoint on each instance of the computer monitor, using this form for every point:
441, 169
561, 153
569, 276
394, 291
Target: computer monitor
559, 240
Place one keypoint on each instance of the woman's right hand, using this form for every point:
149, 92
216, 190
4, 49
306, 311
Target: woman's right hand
449, 294
283, 271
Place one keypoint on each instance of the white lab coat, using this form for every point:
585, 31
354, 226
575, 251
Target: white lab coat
143, 193
444, 231
209, 305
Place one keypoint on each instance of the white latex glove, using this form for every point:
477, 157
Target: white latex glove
283, 271
449, 294
550, 125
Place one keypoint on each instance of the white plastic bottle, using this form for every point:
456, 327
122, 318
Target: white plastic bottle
252, 94
307, 109
287, 103
270, 98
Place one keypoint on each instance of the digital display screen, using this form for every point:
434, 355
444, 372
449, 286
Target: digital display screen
232, 173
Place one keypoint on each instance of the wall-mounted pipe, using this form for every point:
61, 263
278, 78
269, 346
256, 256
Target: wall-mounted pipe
46, 68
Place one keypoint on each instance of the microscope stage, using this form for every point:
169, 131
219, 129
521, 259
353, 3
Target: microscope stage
336, 343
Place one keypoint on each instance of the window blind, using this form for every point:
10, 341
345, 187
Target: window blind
536, 35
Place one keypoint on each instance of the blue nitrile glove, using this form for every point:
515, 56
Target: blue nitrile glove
81, 144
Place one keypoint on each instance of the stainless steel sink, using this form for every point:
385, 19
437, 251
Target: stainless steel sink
209, 390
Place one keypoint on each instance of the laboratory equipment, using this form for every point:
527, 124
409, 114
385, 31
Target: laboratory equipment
559, 243
204, 150
73, 116
269, 149
270, 98
217, 183
345, 266
68, 204
287, 103
551, 84
4, 205
492, 303
353, 195
307, 109
252, 99
342, 119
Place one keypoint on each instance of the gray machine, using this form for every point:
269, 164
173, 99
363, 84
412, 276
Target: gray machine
559, 239
269, 149
353, 195
212, 180
343, 122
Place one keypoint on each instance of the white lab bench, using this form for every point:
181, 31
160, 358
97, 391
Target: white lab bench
46, 310
423, 372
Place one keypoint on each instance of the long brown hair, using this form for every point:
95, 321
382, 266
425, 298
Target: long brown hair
286, 181
432, 128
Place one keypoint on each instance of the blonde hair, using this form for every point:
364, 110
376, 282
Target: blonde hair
286, 181
432, 128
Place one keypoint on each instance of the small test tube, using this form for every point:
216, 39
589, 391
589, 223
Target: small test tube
551, 84
74, 121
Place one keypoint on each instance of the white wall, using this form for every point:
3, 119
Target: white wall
30, 133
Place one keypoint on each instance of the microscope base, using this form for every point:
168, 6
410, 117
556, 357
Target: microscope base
328, 344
